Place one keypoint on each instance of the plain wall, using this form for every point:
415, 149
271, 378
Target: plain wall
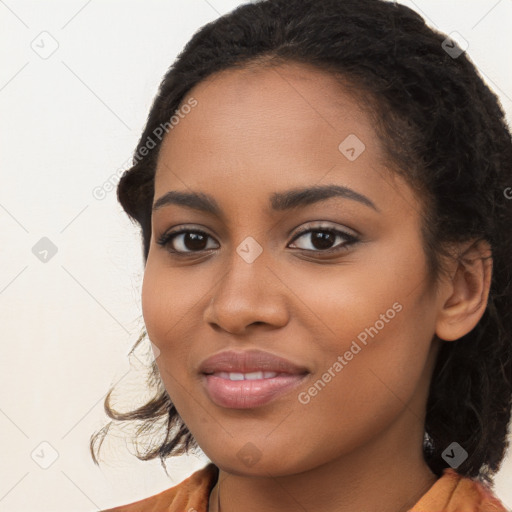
70, 121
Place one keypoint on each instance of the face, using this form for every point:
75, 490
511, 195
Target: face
336, 283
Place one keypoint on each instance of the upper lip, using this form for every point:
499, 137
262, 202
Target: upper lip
249, 361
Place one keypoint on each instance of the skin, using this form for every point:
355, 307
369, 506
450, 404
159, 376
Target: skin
357, 444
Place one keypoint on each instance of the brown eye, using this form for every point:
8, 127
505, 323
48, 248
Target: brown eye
322, 239
185, 241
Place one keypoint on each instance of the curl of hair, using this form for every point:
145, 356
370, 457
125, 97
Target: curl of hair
443, 130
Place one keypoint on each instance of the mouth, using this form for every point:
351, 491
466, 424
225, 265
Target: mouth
252, 378
247, 390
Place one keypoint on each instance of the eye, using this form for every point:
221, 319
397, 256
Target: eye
189, 241
321, 239
185, 241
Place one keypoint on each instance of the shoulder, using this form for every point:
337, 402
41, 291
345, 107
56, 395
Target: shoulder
191, 495
453, 492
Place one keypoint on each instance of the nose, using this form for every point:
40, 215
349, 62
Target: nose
248, 294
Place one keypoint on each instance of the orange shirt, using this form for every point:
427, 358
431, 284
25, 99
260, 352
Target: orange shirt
450, 493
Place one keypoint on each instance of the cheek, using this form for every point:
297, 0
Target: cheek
170, 305
352, 400
168, 302
157, 307
380, 322
162, 312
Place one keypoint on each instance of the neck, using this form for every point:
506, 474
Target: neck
390, 480
387, 474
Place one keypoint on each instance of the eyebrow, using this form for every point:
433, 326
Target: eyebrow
279, 201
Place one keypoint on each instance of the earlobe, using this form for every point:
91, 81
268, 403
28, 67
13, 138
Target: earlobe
464, 304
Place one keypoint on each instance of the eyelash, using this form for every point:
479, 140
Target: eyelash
166, 239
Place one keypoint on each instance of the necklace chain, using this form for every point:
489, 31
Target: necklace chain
218, 497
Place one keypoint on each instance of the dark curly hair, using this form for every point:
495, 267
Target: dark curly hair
443, 130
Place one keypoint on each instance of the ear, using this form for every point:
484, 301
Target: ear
465, 293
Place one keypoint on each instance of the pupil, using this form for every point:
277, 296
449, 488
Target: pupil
191, 241
322, 240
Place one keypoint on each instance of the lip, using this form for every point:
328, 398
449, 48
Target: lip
249, 361
245, 394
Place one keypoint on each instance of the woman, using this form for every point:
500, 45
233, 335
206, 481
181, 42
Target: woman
321, 188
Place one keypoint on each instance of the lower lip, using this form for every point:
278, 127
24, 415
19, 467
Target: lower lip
245, 394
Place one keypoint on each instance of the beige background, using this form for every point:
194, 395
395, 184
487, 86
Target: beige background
69, 121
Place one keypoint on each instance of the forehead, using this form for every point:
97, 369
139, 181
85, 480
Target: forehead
275, 95
292, 111
259, 130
